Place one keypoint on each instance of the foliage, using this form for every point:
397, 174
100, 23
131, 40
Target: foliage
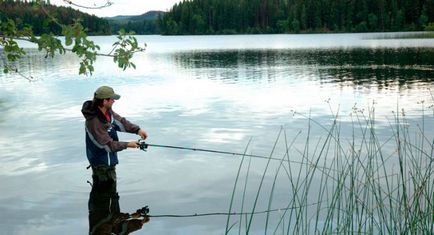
128, 46
430, 27
287, 16
10, 46
84, 48
30, 14
76, 40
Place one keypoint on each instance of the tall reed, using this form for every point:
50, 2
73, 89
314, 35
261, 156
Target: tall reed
348, 176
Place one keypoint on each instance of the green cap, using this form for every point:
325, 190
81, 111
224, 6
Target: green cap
105, 92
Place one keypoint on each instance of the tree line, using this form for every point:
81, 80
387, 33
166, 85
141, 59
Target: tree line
294, 16
238, 16
136, 26
30, 14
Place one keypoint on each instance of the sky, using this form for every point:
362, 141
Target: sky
119, 7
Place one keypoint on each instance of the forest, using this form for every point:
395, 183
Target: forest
295, 16
191, 17
30, 14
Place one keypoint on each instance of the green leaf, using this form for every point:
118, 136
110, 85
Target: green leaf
82, 69
68, 40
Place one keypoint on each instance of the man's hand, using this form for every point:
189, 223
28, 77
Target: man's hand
133, 144
142, 134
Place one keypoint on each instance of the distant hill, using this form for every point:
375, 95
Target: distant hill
146, 23
118, 17
150, 15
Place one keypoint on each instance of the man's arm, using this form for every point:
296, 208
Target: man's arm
100, 136
127, 126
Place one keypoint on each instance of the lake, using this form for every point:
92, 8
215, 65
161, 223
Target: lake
211, 92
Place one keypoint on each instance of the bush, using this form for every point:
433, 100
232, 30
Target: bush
429, 27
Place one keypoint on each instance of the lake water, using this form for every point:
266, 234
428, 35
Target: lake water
213, 92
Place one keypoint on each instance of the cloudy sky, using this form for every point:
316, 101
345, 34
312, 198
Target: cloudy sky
120, 7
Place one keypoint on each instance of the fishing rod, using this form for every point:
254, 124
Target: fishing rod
144, 146
144, 212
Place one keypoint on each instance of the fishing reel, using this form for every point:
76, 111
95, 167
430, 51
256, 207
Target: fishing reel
143, 145
144, 211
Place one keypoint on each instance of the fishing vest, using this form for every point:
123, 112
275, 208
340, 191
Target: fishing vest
99, 154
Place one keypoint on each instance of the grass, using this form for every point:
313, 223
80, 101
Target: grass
351, 179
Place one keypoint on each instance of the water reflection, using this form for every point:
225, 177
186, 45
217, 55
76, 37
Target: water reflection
105, 216
35, 66
2, 108
376, 67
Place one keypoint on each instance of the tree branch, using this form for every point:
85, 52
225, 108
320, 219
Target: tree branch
107, 4
14, 69
76, 41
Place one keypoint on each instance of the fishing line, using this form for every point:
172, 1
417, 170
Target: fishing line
144, 146
228, 213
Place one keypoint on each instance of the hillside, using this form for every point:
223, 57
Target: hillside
140, 24
30, 14
289, 16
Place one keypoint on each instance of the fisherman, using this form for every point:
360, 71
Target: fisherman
102, 142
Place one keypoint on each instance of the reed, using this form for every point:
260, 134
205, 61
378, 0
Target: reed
348, 176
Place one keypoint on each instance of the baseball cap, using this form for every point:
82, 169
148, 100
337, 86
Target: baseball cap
105, 92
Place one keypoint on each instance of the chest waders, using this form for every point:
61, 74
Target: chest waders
103, 173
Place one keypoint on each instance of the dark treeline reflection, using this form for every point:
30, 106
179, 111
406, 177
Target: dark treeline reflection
383, 67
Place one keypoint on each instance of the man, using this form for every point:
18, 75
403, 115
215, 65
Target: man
102, 142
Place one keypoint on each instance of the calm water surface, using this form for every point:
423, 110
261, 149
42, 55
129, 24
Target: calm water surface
212, 92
